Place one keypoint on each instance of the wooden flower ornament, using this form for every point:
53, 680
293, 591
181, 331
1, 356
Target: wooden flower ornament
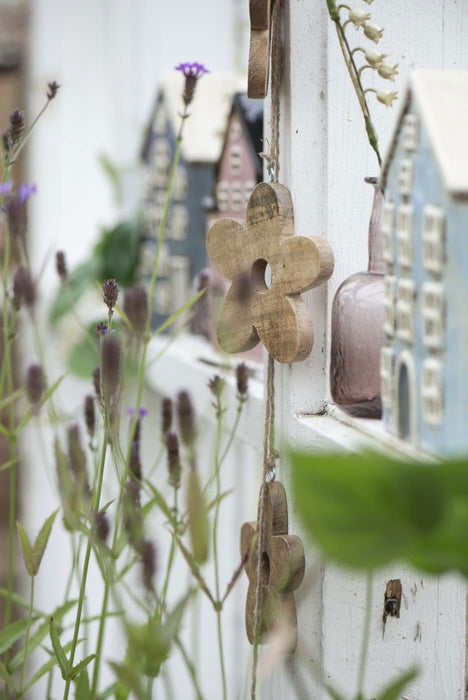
252, 311
282, 569
259, 52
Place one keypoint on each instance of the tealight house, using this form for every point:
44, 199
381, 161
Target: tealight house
183, 253
424, 362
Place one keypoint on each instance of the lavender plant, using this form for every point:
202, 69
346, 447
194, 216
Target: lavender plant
118, 534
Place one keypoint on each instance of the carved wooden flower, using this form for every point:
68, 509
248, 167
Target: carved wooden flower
255, 309
282, 570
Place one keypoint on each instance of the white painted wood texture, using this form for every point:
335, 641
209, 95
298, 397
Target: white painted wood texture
325, 157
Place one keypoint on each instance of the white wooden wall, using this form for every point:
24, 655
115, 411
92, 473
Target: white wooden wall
108, 54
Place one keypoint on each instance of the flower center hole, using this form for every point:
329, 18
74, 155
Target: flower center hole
265, 572
261, 275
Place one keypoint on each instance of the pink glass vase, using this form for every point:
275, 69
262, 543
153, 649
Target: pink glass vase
357, 329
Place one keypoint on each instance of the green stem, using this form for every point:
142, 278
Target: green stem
365, 635
28, 630
215, 546
171, 556
190, 668
87, 558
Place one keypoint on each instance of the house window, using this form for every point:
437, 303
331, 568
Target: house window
222, 195
235, 131
179, 222
147, 261
433, 311
404, 237
151, 221
148, 181
433, 239
389, 305
405, 310
159, 204
405, 176
161, 156
163, 298
410, 132
180, 190
387, 231
235, 160
180, 283
248, 189
236, 197
160, 121
386, 374
432, 392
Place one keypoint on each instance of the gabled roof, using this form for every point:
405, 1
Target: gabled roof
250, 113
441, 101
204, 129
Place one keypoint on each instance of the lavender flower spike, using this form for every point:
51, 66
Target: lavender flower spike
192, 72
25, 191
5, 187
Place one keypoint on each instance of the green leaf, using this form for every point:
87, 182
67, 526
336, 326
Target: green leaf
5, 676
42, 539
161, 502
9, 464
18, 600
76, 670
10, 634
333, 693
59, 650
118, 252
107, 692
48, 666
198, 519
9, 399
33, 555
41, 633
82, 359
129, 678
83, 691
27, 549
79, 280
365, 511
395, 689
173, 317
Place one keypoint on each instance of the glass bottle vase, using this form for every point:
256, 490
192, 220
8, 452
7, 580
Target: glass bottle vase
357, 328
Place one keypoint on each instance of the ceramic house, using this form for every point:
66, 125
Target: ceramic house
238, 170
183, 253
424, 362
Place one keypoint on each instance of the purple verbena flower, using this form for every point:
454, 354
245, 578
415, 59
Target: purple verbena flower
25, 191
192, 73
5, 187
141, 412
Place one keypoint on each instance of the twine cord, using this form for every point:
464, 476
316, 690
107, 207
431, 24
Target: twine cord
270, 454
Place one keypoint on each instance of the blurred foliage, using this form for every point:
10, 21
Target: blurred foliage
115, 256
365, 511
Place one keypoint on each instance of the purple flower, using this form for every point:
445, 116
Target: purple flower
192, 72
5, 187
141, 412
25, 191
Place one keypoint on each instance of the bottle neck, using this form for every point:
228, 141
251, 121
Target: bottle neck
376, 263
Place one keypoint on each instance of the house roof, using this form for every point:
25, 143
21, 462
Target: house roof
204, 130
441, 100
250, 113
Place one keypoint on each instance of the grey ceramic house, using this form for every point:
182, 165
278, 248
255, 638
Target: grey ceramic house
183, 253
424, 363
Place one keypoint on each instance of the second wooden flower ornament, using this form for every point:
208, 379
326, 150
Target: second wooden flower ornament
257, 310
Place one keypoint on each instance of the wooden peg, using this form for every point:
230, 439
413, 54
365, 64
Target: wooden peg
259, 53
256, 309
282, 570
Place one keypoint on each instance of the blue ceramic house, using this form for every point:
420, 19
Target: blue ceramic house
424, 362
183, 253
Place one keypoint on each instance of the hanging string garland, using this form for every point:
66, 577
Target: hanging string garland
272, 312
